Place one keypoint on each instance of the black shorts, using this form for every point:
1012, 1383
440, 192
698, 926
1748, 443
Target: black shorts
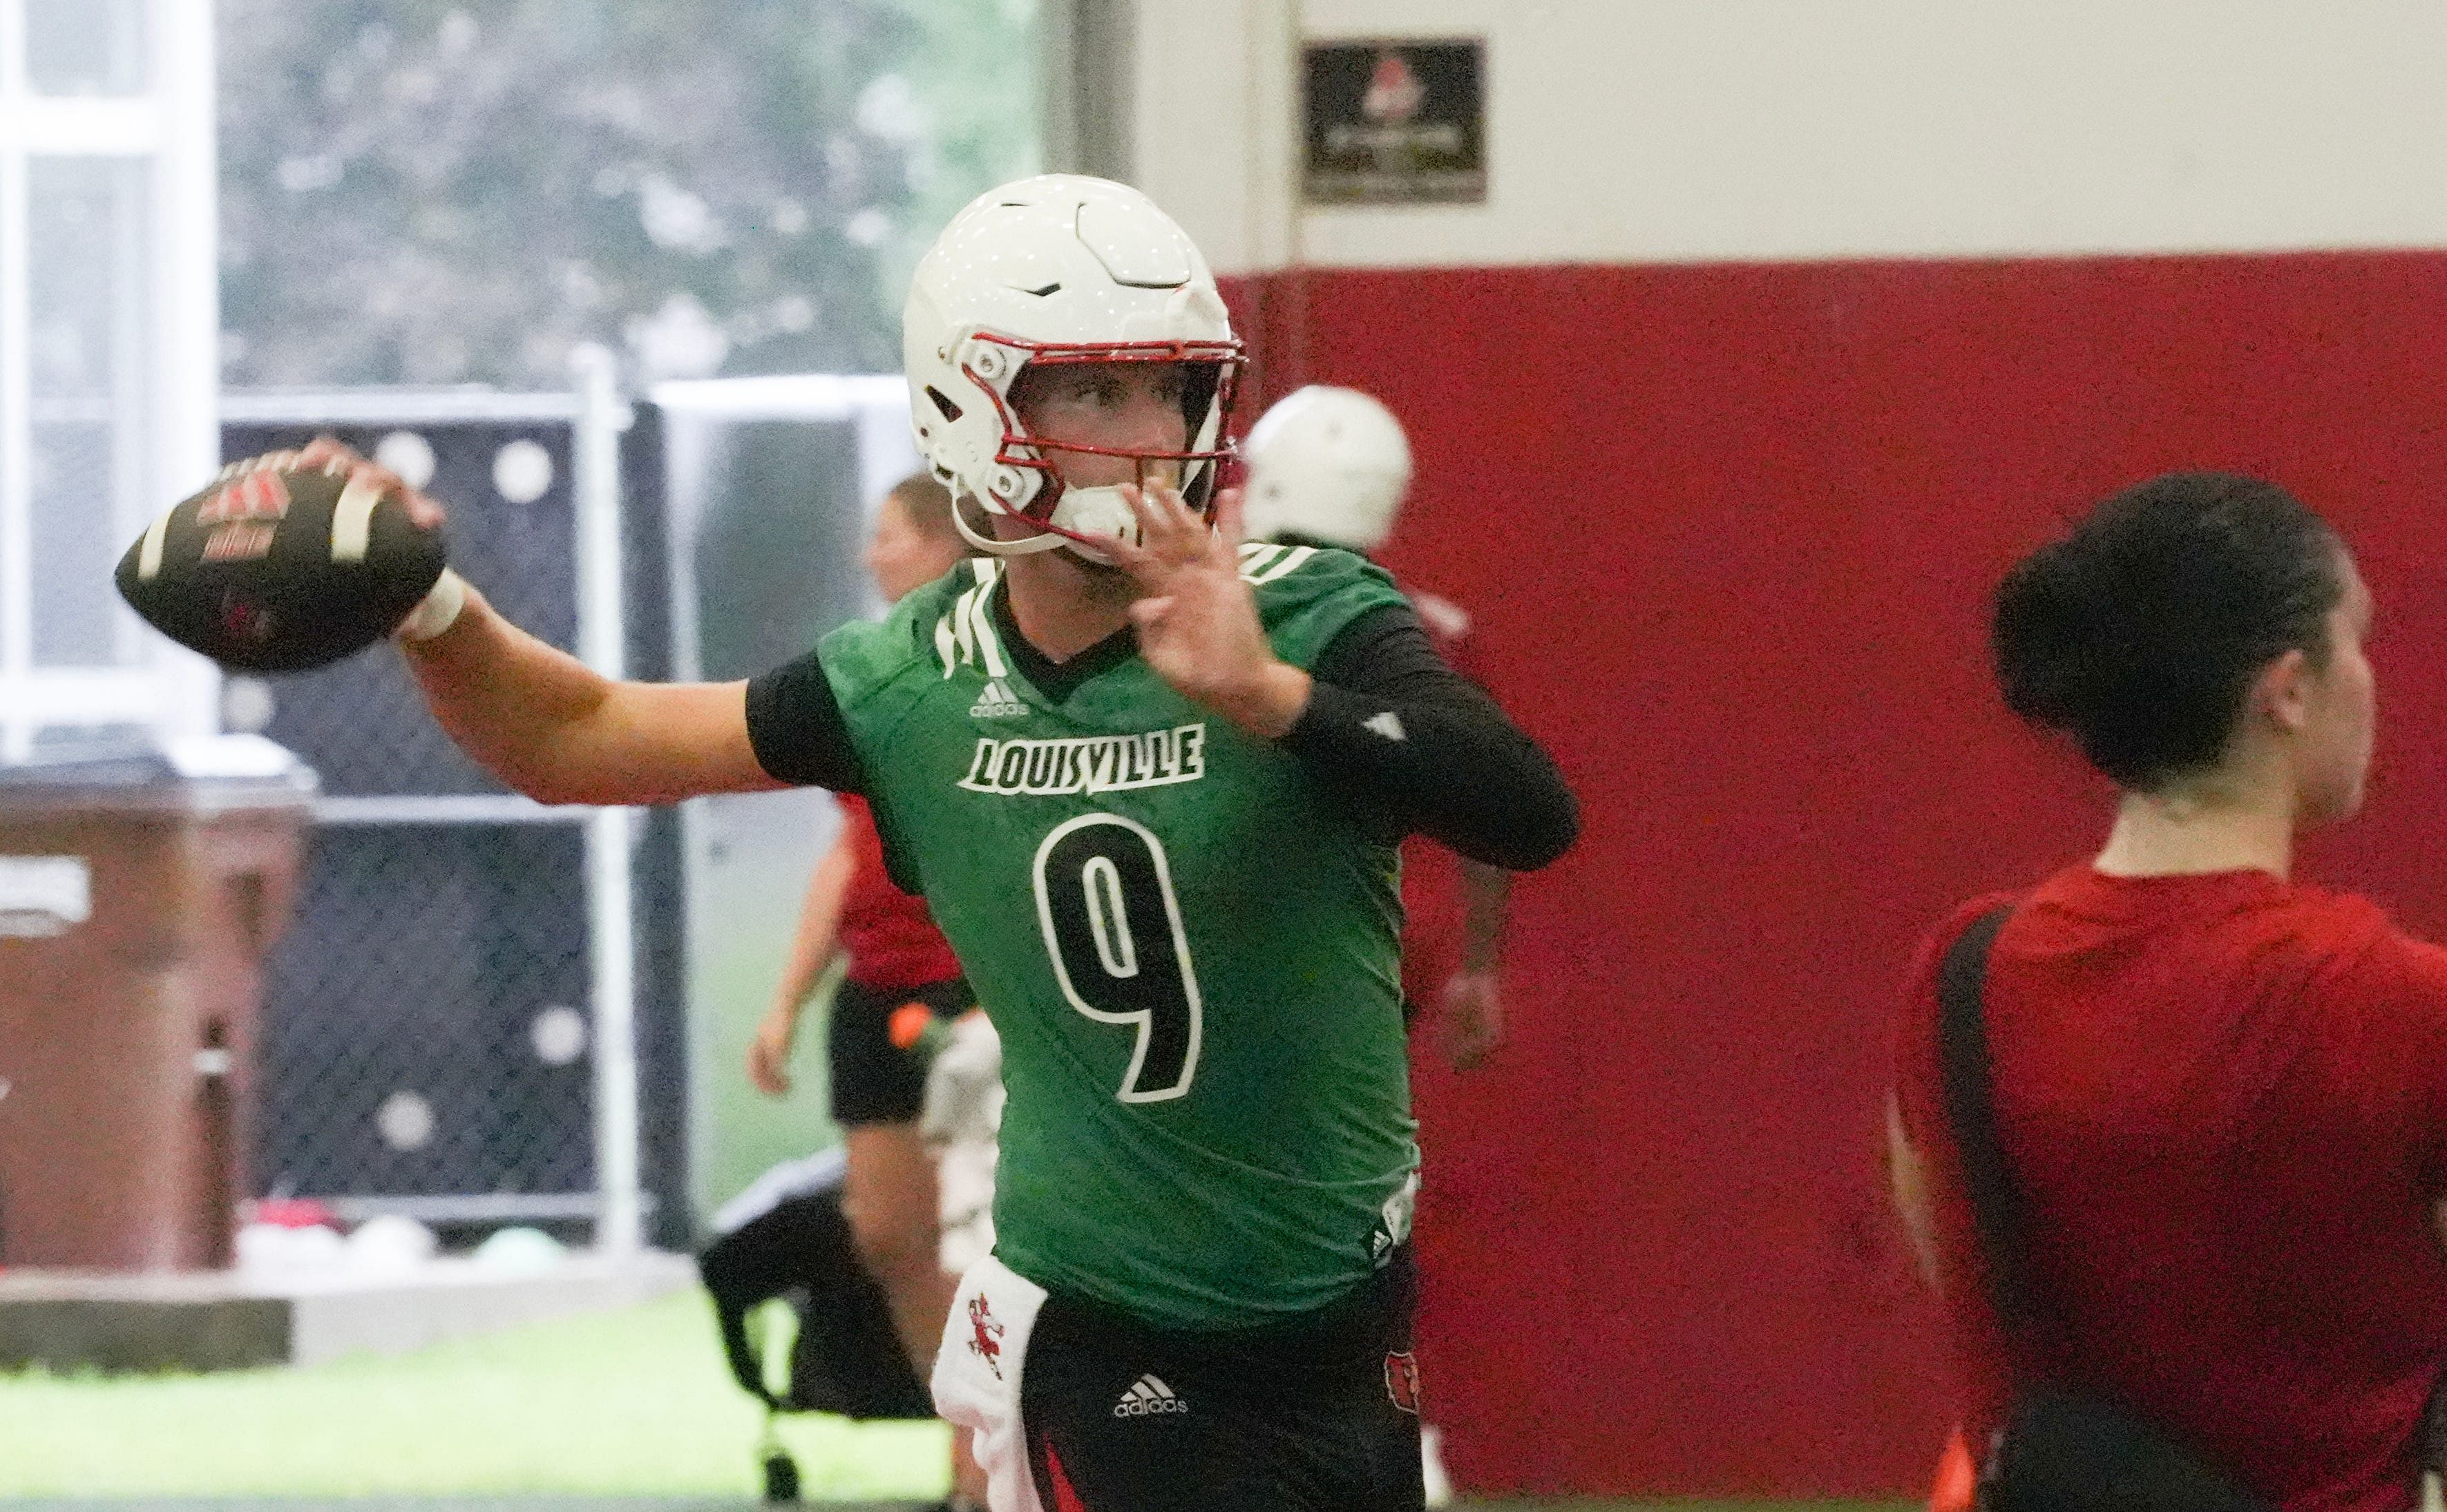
873, 1080
1316, 1414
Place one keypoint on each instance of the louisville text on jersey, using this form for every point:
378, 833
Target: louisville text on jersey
1088, 763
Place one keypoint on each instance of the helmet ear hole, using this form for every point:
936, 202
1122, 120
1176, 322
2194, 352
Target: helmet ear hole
942, 402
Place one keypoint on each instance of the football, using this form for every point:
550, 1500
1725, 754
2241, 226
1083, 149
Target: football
280, 567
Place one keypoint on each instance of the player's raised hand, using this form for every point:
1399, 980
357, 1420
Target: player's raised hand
1197, 618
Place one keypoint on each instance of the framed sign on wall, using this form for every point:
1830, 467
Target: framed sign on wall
1393, 121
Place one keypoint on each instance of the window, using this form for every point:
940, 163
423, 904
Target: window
108, 349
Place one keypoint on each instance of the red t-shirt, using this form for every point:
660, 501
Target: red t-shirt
2225, 1098
889, 937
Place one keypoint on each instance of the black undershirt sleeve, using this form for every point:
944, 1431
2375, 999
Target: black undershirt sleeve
796, 726
1418, 747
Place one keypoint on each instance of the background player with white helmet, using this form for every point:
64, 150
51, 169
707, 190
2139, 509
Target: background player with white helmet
1327, 464
1330, 466
1150, 782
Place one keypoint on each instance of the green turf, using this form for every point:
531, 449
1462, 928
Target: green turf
633, 1404
744, 910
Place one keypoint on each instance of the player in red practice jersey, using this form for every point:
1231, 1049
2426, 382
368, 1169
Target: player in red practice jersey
1329, 467
2221, 1094
900, 976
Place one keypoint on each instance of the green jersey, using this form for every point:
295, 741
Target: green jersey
1190, 956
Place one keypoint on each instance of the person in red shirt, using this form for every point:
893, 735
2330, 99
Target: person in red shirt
2221, 1093
899, 976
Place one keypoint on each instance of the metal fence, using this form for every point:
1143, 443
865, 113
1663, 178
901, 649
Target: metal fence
476, 1015
487, 1011
771, 482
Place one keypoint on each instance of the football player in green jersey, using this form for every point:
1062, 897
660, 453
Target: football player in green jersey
1150, 781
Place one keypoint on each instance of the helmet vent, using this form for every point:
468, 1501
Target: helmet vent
1041, 292
951, 411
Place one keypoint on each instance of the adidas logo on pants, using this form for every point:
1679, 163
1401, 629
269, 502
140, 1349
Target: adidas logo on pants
1147, 1398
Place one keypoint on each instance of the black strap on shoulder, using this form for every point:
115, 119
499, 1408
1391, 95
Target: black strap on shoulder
2433, 1430
1962, 1056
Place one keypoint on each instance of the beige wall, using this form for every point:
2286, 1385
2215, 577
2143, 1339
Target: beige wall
1681, 130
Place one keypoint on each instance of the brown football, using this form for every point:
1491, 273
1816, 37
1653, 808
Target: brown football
279, 568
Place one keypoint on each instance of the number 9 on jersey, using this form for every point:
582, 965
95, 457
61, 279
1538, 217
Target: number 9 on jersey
1113, 926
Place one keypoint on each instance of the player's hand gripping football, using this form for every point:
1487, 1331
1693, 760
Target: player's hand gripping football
1197, 618
287, 560
325, 452
442, 606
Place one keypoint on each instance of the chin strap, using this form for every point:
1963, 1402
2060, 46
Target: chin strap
994, 546
1050, 538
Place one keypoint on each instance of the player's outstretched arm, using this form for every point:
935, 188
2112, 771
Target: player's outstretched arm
542, 721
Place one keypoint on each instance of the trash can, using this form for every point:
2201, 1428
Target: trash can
141, 889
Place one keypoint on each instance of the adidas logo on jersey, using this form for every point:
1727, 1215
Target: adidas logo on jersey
1147, 1398
995, 702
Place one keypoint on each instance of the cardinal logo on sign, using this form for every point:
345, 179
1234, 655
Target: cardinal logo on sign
1394, 92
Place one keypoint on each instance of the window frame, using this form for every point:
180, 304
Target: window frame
173, 398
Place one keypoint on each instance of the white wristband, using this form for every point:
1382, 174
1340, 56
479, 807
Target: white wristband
438, 611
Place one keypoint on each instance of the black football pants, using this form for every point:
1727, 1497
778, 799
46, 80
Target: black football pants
1319, 1414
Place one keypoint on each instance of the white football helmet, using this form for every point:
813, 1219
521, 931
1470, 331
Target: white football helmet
1328, 464
1059, 269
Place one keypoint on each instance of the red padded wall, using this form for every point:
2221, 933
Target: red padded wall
1728, 532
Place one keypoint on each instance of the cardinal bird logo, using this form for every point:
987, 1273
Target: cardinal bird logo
242, 619
1394, 92
985, 1335
1402, 1381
